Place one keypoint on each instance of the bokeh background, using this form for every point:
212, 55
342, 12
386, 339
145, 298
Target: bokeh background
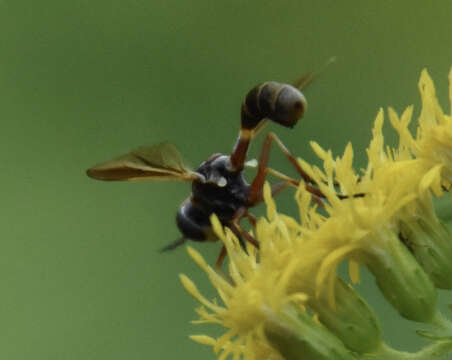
83, 81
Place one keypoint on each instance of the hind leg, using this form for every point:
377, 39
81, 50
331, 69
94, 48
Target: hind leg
255, 195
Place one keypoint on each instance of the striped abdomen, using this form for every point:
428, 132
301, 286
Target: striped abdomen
278, 102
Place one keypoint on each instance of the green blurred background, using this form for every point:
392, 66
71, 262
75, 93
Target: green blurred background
82, 81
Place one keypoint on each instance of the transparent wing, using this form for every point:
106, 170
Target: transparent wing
153, 163
303, 81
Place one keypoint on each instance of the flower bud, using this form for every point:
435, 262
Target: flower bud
431, 244
352, 319
402, 280
297, 336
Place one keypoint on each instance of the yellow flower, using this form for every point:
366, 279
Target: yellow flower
422, 232
433, 142
252, 296
381, 217
264, 288
364, 227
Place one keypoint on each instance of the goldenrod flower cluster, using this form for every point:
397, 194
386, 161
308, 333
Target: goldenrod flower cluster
286, 300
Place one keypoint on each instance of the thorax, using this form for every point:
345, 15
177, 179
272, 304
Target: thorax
224, 191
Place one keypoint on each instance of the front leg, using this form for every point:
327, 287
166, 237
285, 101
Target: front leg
239, 232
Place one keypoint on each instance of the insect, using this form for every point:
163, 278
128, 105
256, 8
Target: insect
218, 184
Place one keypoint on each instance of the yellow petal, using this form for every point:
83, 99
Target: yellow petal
193, 291
203, 339
353, 271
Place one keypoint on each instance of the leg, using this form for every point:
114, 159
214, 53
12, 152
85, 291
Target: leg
317, 195
290, 157
258, 182
221, 258
238, 230
275, 190
252, 219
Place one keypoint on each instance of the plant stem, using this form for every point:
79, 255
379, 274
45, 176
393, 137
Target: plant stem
441, 321
430, 352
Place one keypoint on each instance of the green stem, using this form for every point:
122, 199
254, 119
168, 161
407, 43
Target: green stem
430, 352
296, 335
441, 321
